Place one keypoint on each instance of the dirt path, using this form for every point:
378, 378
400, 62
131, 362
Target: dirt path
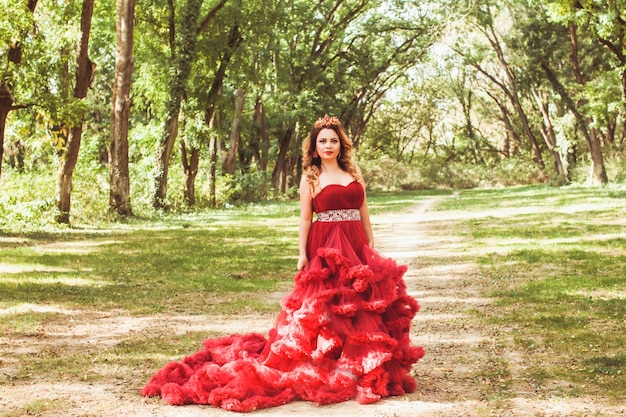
458, 346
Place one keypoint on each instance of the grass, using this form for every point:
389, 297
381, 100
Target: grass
221, 262
555, 261
552, 259
150, 268
37, 407
398, 202
163, 264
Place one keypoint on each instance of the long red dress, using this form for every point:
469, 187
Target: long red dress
343, 332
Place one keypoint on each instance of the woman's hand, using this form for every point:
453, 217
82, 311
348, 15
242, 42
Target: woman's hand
302, 262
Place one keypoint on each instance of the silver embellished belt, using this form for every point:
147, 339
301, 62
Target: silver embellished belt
339, 215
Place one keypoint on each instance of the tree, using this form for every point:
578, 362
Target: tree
22, 19
207, 103
183, 54
342, 58
374, 68
554, 43
84, 74
506, 80
119, 196
540, 42
586, 123
312, 43
606, 22
228, 164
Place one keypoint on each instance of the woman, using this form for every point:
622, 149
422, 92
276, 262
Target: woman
343, 332
327, 161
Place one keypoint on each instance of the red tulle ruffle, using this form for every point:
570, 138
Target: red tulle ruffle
343, 333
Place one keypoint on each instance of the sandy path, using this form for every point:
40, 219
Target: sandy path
457, 346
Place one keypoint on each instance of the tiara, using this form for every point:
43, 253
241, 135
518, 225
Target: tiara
327, 121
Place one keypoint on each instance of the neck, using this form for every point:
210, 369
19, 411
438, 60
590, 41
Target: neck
331, 166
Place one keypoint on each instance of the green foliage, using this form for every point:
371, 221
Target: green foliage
384, 173
27, 201
617, 167
424, 117
16, 23
251, 187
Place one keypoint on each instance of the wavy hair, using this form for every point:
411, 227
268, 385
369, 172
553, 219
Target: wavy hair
312, 166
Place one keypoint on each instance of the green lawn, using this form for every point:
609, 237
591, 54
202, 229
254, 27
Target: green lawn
553, 260
556, 262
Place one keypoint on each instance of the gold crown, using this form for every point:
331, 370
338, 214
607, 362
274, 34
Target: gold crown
327, 121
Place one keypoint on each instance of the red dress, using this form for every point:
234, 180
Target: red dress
343, 332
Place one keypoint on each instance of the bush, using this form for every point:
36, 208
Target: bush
27, 202
619, 171
615, 170
384, 174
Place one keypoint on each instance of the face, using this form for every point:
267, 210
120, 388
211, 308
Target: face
328, 144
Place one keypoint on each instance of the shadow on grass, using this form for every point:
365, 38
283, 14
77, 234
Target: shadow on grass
558, 277
145, 270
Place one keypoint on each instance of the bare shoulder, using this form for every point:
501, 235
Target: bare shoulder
305, 188
359, 175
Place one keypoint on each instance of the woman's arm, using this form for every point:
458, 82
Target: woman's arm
306, 217
365, 214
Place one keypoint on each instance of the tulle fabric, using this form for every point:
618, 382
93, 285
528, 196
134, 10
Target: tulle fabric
342, 333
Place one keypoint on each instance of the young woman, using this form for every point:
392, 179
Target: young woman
343, 332
327, 163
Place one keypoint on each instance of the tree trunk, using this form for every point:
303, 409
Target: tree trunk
260, 122
5, 108
623, 79
213, 171
279, 175
293, 170
559, 156
164, 152
119, 196
183, 59
215, 148
512, 138
230, 160
84, 74
190, 169
470, 132
210, 121
611, 127
581, 123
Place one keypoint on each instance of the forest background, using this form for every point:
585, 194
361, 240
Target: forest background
112, 109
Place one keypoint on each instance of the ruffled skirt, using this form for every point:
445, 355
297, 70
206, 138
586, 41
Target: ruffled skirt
343, 333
